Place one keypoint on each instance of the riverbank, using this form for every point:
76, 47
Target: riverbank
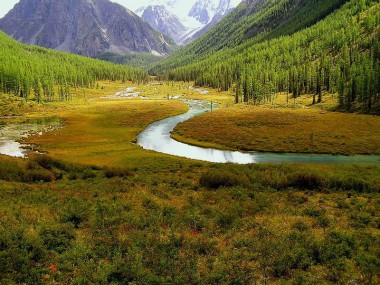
157, 136
278, 129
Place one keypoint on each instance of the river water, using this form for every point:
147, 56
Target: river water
157, 137
12, 134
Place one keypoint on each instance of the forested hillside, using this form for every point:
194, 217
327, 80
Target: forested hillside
340, 53
262, 19
29, 69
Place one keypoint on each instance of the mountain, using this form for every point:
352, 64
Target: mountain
197, 16
164, 21
256, 20
203, 11
223, 9
294, 46
84, 27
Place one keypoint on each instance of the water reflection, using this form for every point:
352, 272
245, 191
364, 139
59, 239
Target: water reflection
157, 137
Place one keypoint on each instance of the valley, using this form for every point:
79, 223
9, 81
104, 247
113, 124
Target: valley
249, 156
96, 189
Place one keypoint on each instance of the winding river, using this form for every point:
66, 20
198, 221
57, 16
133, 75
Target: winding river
157, 137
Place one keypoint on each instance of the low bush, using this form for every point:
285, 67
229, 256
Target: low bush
75, 212
14, 169
354, 184
57, 237
88, 174
214, 179
307, 180
38, 175
361, 220
21, 256
314, 213
45, 161
117, 172
300, 226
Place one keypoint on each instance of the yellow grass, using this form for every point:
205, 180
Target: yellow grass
161, 90
97, 130
104, 134
275, 128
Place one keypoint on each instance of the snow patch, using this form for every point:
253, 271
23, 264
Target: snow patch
128, 93
194, 21
156, 53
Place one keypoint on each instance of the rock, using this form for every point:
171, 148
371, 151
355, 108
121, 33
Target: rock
85, 27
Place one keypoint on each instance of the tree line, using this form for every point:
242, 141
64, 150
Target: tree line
339, 55
26, 70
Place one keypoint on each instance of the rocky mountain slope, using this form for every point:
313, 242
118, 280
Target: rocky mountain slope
85, 27
223, 9
164, 21
194, 17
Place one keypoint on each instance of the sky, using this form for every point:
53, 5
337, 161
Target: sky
7, 5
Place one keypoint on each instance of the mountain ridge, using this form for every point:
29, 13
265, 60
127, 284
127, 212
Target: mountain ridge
159, 18
196, 19
83, 27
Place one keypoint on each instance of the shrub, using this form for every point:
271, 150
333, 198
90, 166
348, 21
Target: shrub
300, 226
323, 221
361, 220
225, 220
21, 256
307, 180
215, 179
169, 214
44, 161
36, 175
75, 213
275, 179
354, 184
196, 221
57, 237
149, 204
88, 174
314, 213
11, 169
337, 245
117, 172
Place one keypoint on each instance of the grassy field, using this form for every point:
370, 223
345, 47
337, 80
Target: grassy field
100, 210
104, 133
273, 127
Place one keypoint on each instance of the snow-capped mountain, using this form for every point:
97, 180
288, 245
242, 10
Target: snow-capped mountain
197, 16
159, 18
85, 27
203, 11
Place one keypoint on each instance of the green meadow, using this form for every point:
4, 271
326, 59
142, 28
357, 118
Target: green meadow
98, 209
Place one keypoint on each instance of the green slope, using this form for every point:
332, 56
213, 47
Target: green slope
338, 54
253, 19
24, 69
